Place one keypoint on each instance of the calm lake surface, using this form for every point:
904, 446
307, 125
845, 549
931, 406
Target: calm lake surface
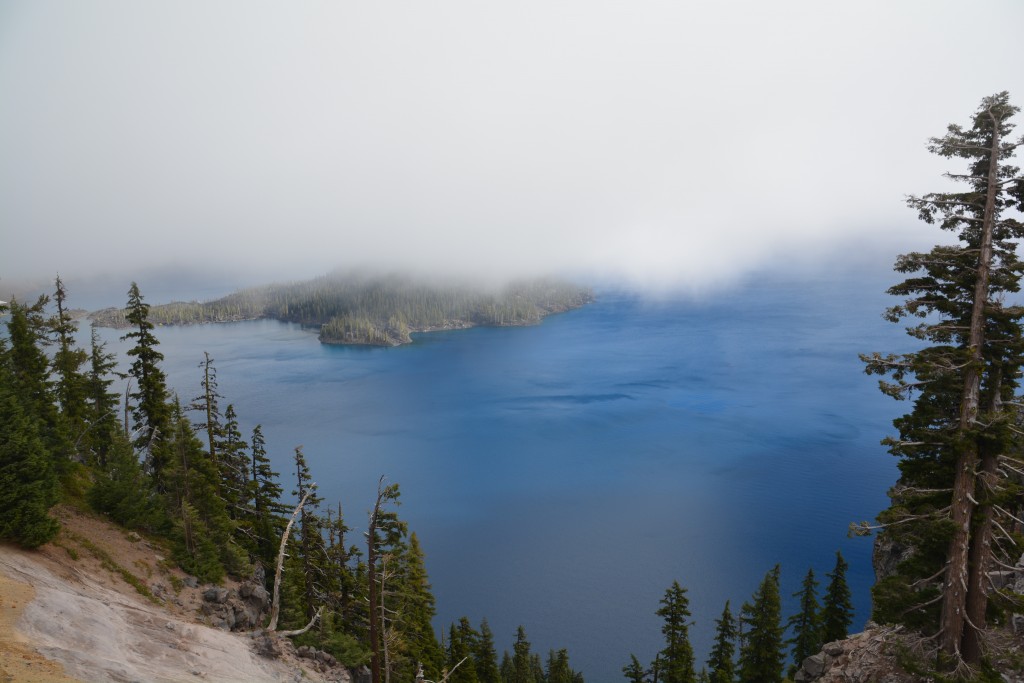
562, 476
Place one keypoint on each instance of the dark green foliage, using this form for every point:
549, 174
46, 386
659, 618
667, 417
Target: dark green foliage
634, 671
414, 604
837, 611
203, 530
71, 384
762, 654
310, 536
485, 657
28, 484
123, 492
265, 495
349, 649
461, 642
344, 584
721, 661
207, 404
677, 663
506, 668
806, 624
522, 670
152, 413
29, 378
537, 668
558, 670
102, 403
233, 465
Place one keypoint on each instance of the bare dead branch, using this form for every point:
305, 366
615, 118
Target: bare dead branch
275, 610
308, 626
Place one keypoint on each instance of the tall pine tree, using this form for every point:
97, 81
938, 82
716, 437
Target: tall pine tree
806, 624
67, 365
837, 611
522, 667
485, 657
677, 663
101, 401
762, 654
152, 411
952, 443
721, 662
28, 483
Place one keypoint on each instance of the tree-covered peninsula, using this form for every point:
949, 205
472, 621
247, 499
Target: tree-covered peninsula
373, 310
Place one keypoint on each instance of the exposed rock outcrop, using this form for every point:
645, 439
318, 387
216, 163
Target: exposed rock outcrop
79, 620
232, 610
868, 657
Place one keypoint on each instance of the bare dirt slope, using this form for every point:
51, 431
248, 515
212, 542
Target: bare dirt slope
69, 611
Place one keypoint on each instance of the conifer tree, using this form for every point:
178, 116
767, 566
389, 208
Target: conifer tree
957, 436
152, 412
485, 657
310, 535
461, 641
28, 483
677, 663
207, 404
522, 666
233, 461
265, 496
721, 661
806, 624
204, 530
416, 609
30, 377
837, 611
67, 363
537, 668
345, 582
762, 655
384, 531
634, 671
123, 491
506, 668
102, 403
558, 670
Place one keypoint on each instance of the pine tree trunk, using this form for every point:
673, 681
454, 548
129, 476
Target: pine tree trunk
371, 574
981, 540
981, 548
954, 599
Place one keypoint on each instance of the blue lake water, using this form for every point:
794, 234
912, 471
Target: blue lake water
562, 476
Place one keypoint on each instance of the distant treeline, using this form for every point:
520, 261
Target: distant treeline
380, 311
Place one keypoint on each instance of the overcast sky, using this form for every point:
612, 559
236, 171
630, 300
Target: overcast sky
661, 141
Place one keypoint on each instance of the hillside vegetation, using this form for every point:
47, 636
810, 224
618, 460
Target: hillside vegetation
378, 311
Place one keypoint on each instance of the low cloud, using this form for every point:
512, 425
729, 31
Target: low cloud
675, 145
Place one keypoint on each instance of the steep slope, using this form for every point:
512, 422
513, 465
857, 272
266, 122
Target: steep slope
71, 612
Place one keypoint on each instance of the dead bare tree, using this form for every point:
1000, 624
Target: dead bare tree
386, 523
275, 608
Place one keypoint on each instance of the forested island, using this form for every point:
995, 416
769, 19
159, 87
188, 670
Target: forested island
372, 310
